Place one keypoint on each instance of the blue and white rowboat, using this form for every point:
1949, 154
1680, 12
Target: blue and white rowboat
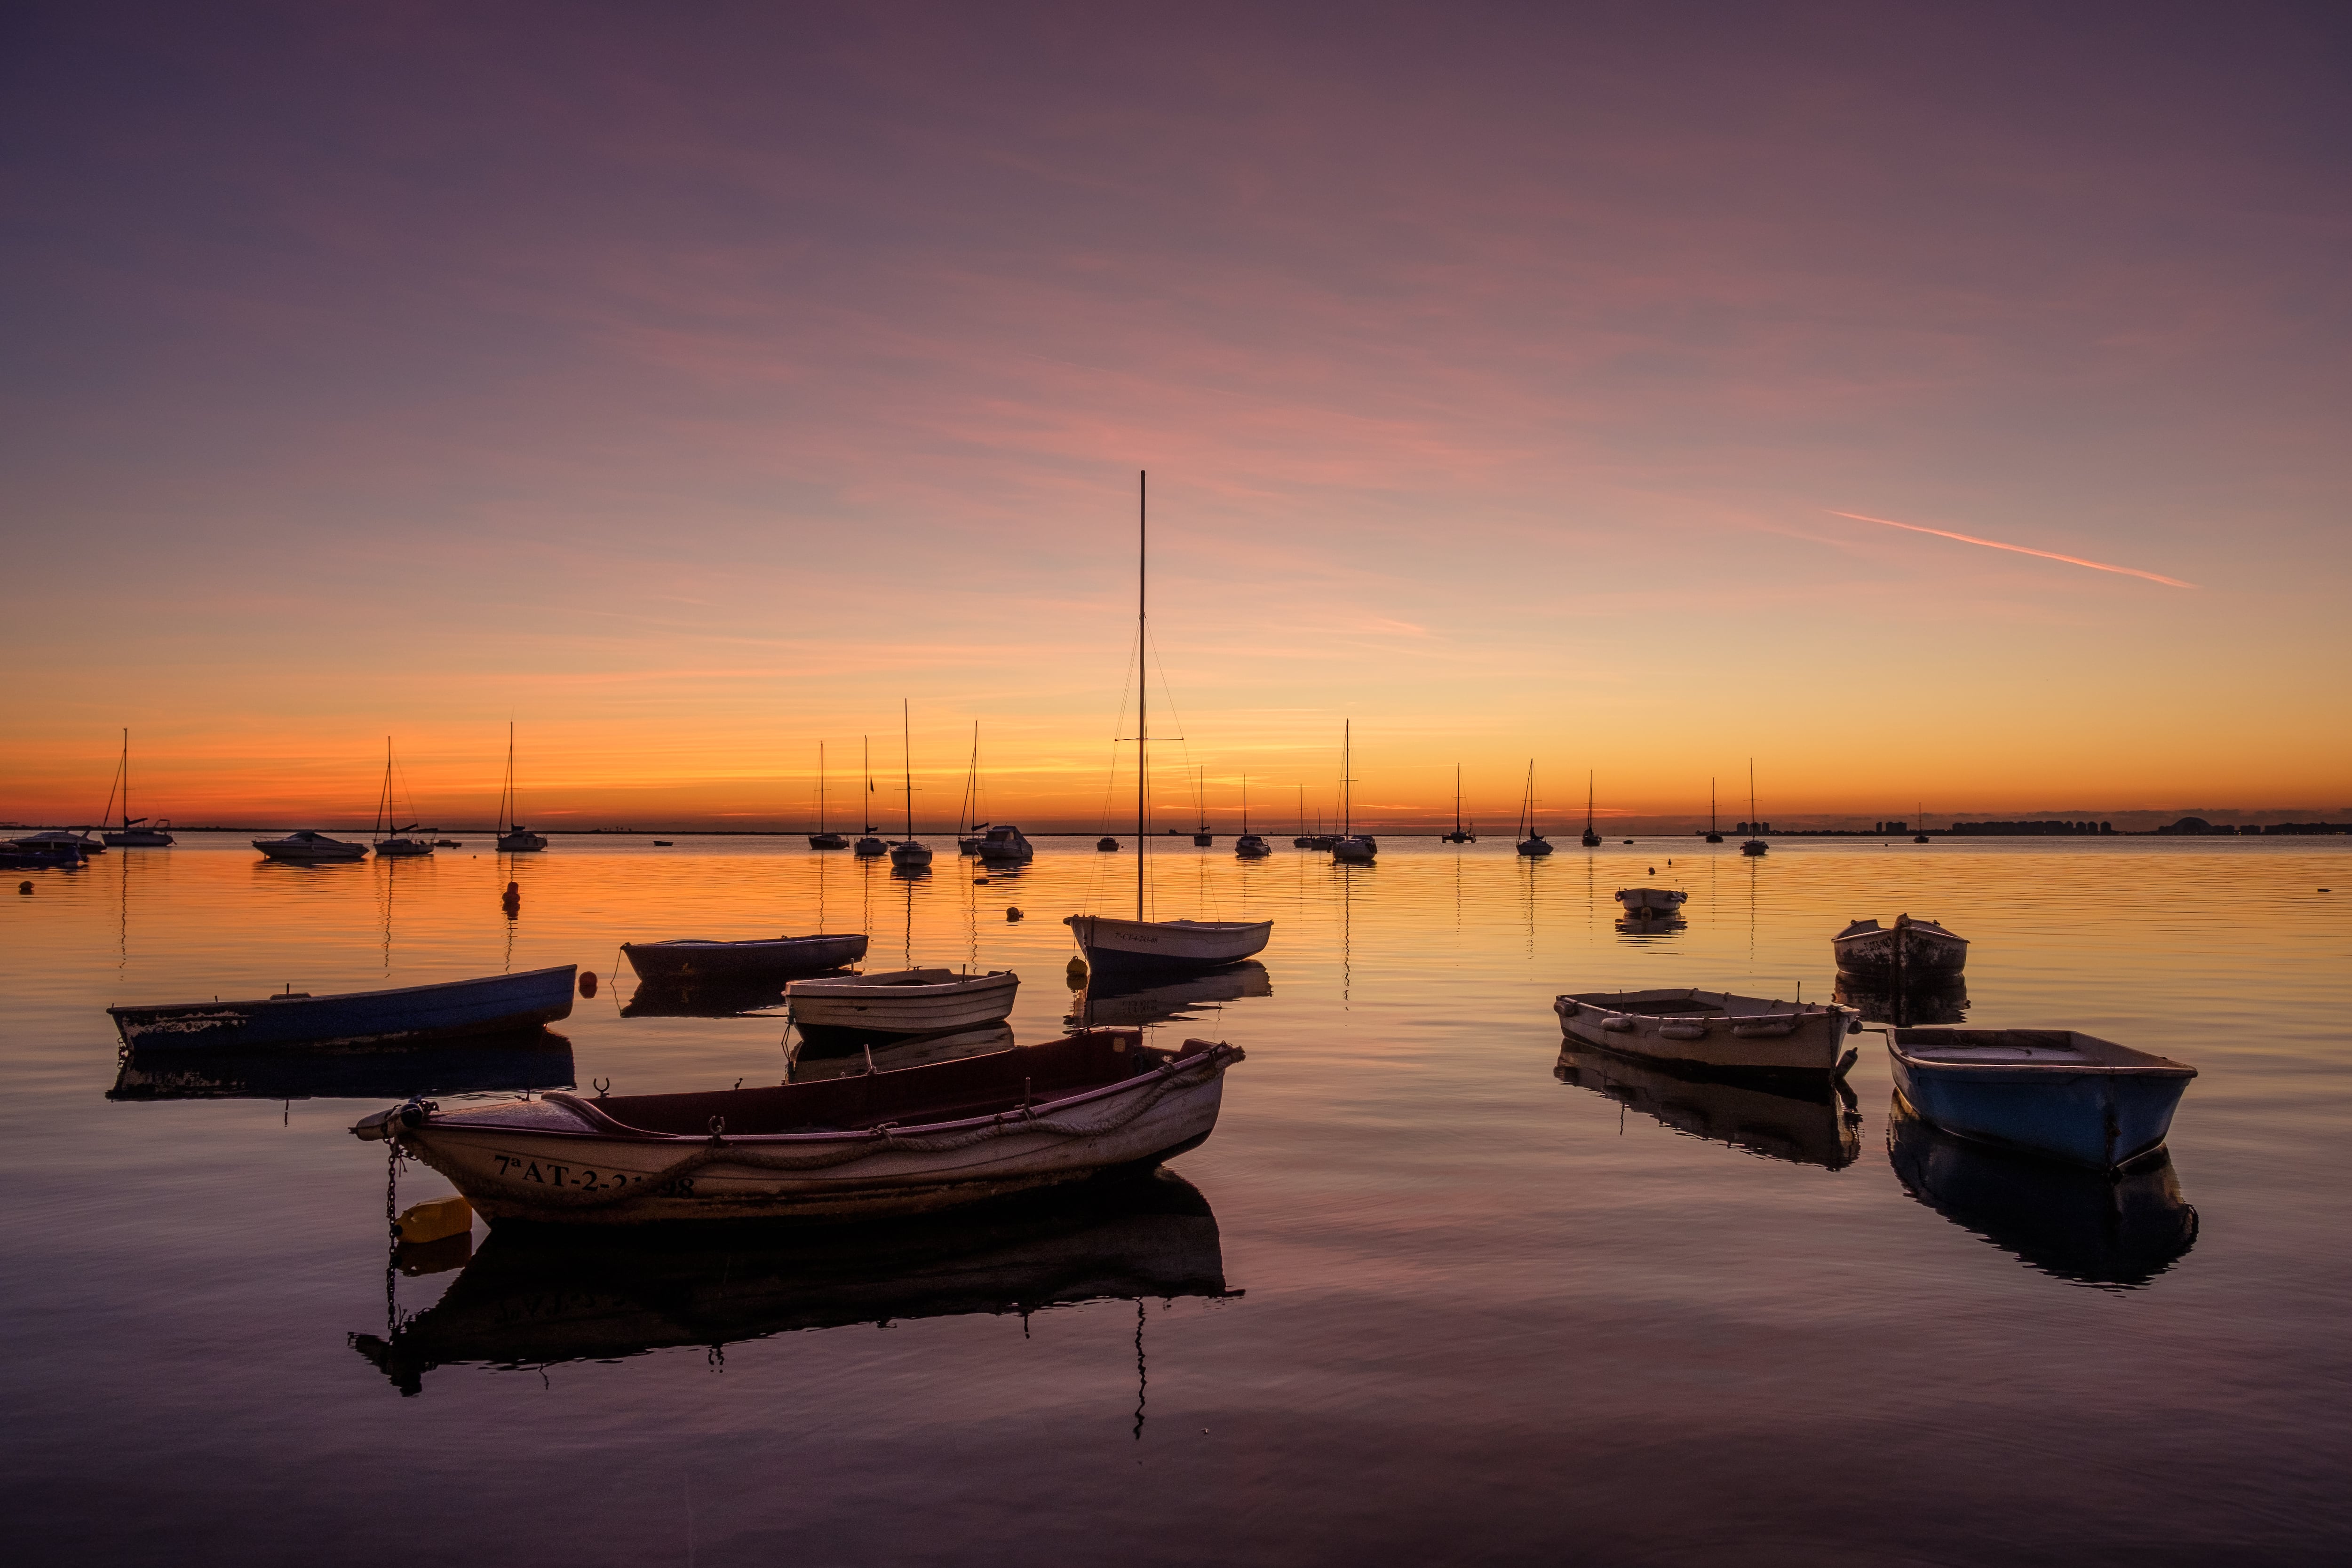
2053, 1091
448, 1011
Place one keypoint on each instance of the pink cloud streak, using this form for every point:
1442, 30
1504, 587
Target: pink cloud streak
2021, 550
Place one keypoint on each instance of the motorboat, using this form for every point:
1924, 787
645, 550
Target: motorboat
1140, 943
62, 841
585, 1297
308, 847
2053, 1091
1107, 845
2099, 1227
1252, 847
923, 1138
1809, 1123
1652, 902
1003, 844
695, 960
1714, 1029
899, 1001
1111, 942
1908, 953
449, 1011
513, 837
48, 857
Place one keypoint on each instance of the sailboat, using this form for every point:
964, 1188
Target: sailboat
1458, 836
395, 842
1755, 846
968, 837
1249, 846
1591, 840
1351, 848
867, 845
130, 835
907, 854
1919, 820
1142, 943
513, 837
1201, 836
1714, 834
1305, 840
1531, 842
821, 840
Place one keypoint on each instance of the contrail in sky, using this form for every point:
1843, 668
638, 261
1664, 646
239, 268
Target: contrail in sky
2021, 549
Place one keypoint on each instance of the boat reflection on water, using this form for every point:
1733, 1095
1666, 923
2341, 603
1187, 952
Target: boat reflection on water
842, 1057
2121, 1229
1121, 1002
528, 1298
710, 999
537, 1059
1944, 1002
1805, 1124
1667, 926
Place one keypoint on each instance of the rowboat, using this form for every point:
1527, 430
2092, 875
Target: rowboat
1804, 1123
1713, 1029
809, 1060
536, 1299
2054, 1092
449, 1011
1114, 944
1652, 902
1907, 952
2102, 1228
883, 1143
306, 848
899, 1001
690, 960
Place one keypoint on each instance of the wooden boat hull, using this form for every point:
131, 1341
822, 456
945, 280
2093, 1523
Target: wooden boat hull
1712, 1029
1110, 943
2057, 1103
1907, 952
861, 1005
1806, 1125
1652, 902
412, 1013
690, 960
808, 1059
2102, 1228
561, 1160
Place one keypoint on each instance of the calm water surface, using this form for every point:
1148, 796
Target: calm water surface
1432, 1291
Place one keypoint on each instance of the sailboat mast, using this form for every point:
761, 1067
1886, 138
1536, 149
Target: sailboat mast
1752, 828
820, 787
1346, 778
126, 779
1588, 800
865, 759
906, 758
1142, 683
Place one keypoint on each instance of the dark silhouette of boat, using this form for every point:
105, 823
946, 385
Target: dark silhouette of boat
536, 1059
1117, 1001
498, 1004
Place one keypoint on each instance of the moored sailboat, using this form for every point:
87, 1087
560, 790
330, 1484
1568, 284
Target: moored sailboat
907, 854
869, 846
392, 840
1351, 848
1754, 845
1460, 836
1249, 846
513, 837
132, 834
1591, 840
1531, 839
820, 839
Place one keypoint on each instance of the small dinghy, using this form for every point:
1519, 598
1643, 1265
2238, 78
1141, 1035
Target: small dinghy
899, 1002
880, 1143
689, 959
448, 1011
1652, 902
1110, 943
2054, 1092
306, 848
1908, 953
1713, 1029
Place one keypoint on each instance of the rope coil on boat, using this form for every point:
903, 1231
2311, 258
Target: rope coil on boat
888, 1139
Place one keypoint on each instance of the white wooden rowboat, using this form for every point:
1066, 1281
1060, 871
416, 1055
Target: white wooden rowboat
1713, 1029
1652, 902
900, 1001
1114, 944
1907, 952
883, 1143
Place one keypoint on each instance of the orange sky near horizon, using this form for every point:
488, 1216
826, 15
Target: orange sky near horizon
693, 389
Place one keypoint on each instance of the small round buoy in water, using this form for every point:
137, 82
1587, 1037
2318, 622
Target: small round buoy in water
1653, 869
1011, 914
27, 887
980, 882
1075, 974
587, 982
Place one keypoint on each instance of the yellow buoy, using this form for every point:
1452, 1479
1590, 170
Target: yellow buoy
434, 1221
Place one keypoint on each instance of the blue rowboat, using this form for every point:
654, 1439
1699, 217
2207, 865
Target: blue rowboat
446, 1011
2053, 1091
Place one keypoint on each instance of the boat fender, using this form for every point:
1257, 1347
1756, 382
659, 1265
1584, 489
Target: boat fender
1565, 1007
1847, 1060
1617, 1023
1854, 1026
1682, 1030
413, 1112
1013, 913
1075, 974
588, 982
371, 1128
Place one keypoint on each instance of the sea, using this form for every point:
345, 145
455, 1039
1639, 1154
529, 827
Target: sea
1438, 1290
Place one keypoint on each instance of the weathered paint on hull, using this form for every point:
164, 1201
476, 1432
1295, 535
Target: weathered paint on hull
1815, 1044
1133, 945
2093, 1118
676, 963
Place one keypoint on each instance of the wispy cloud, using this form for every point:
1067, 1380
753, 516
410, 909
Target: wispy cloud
2021, 550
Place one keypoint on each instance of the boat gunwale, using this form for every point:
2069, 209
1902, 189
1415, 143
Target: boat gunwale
2146, 1065
884, 1130
1802, 1010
